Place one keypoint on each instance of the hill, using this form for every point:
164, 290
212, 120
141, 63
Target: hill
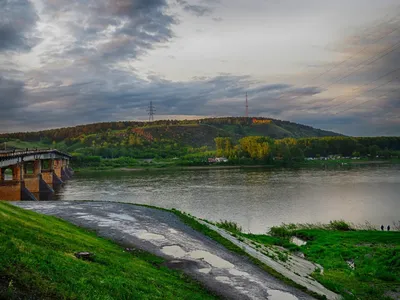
190, 133
192, 142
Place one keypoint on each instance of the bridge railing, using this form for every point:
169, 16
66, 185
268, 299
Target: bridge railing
20, 153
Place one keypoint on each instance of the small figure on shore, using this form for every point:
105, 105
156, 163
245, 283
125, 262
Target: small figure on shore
382, 228
388, 228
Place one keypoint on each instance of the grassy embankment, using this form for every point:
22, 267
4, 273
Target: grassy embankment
376, 256
37, 262
192, 222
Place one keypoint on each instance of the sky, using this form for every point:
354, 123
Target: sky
334, 65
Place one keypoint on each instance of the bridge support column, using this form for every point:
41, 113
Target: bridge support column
17, 172
32, 181
15, 190
57, 174
64, 170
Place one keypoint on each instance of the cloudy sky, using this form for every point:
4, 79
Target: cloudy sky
334, 65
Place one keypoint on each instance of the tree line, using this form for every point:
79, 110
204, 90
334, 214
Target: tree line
266, 149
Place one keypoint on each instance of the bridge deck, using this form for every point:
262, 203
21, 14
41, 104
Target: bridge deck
9, 158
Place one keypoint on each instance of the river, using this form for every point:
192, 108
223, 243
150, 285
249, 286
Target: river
255, 198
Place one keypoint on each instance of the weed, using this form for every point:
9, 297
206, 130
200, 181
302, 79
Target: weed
230, 226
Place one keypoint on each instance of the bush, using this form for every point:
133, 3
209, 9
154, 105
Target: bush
340, 225
280, 232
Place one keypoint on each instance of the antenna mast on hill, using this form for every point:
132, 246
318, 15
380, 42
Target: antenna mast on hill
247, 107
151, 111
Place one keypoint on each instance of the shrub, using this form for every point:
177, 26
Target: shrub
280, 231
340, 225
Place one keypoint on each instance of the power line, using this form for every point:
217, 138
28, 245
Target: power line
375, 58
357, 88
370, 90
354, 55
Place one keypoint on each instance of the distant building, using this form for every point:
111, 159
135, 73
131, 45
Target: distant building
221, 159
217, 159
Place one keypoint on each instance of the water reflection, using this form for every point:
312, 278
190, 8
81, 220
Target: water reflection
256, 199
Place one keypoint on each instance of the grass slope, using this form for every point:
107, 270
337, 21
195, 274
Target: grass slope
376, 256
37, 262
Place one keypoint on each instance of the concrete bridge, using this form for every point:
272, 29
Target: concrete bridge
34, 172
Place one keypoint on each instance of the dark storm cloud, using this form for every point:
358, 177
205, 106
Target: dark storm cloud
109, 30
96, 102
17, 22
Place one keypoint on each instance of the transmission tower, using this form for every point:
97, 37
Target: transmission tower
151, 111
247, 107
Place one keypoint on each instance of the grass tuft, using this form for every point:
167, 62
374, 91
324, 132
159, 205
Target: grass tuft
230, 226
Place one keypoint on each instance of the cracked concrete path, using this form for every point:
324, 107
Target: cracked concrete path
163, 234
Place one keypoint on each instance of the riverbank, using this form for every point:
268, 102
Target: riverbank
357, 264
37, 262
176, 165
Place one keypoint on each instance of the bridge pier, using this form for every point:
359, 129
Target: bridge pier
15, 189
57, 174
64, 170
30, 183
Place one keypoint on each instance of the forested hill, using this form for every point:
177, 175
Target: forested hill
194, 133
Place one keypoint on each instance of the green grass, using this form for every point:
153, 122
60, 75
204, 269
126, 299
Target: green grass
37, 261
376, 255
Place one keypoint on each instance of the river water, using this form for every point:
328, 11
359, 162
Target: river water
255, 198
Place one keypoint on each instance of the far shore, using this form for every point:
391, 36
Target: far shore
303, 165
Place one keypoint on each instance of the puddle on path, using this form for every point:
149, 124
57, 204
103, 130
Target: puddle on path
124, 217
238, 273
212, 259
205, 270
279, 295
172, 230
148, 236
223, 279
174, 251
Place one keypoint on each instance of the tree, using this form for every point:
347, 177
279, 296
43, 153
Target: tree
297, 154
373, 151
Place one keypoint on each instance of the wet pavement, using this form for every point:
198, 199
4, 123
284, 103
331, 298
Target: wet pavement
163, 234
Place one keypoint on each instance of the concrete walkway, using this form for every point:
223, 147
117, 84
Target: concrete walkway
163, 234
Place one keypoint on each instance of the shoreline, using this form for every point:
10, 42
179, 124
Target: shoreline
303, 165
